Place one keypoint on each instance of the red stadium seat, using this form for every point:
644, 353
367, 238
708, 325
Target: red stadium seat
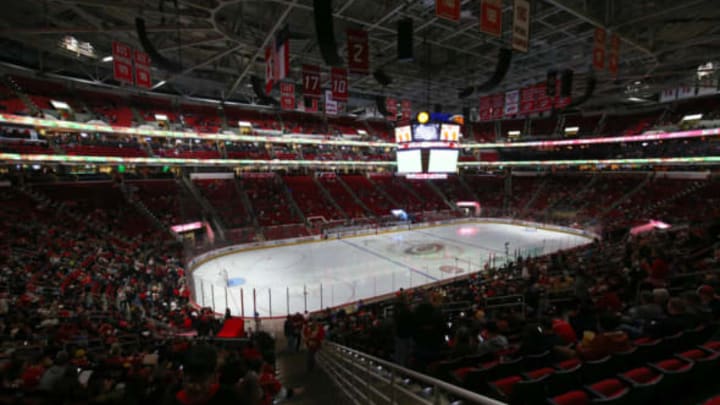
571, 398
646, 384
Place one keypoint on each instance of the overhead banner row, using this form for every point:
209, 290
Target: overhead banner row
530, 100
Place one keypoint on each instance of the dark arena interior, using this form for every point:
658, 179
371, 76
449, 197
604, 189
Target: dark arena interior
496, 202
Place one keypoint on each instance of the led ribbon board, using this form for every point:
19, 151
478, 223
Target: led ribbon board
82, 127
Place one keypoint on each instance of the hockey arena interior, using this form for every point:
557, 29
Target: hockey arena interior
496, 202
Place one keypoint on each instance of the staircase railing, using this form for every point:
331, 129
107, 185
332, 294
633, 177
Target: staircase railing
324, 191
355, 198
366, 379
219, 226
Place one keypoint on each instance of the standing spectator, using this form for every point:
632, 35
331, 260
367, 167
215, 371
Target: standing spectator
403, 333
313, 335
290, 334
200, 384
56, 372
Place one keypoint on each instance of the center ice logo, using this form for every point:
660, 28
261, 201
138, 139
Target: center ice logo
425, 249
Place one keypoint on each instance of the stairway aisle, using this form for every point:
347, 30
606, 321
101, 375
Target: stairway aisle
319, 389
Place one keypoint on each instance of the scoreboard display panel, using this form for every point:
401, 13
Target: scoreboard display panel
443, 161
426, 132
409, 161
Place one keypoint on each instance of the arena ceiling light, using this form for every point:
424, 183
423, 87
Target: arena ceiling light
107, 59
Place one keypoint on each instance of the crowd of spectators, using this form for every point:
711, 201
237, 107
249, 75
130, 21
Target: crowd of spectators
580, 305
88, 315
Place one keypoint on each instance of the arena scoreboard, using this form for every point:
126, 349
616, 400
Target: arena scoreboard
429, 146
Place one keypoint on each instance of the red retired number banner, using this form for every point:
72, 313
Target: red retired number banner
122, 62
339, 84
448, 9
485, 108
143, 76
311, 81
287, 96
406, 110
122, 71
391, 107
521, 26
358, 52
599, 49
491, 17
121, 51
614, 56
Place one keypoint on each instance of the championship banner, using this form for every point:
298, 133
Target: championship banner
391, 107
614, 56
521, 26
498, 104
339, 83
269, 69
143, 76
599, 49
122, 62
527, 100
512, 102
485, 108
311, 81
543, 102
122, 71
406, 106
122, 51
491, 17
448, 9
141, 58
331, 106
358, 51
287, 96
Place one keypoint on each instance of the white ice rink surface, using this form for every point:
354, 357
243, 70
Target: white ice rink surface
291, 278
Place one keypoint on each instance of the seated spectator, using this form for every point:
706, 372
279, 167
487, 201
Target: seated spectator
493, 341
606, 341
540, 338
677, 320
562, 328
709, 300
647, 310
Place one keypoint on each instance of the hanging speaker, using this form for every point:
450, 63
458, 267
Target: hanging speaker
259, 89
466, 92
501, 69
437, 108
566, 84
382, 77
322, 11
551, 83
405, 39
380, 103
589, 90
148, 47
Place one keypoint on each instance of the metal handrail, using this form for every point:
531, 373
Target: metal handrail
361, 360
